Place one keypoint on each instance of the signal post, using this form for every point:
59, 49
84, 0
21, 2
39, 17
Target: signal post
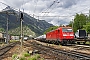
21, 21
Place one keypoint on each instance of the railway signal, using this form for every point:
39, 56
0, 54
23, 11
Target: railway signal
21, 21
21, 17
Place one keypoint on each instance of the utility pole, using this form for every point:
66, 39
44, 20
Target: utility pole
21, 34
7, 13
21, 21
7, 30
72, 23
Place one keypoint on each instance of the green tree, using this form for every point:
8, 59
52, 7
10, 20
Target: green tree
2, 30
70, 24
50, 29
79, 21
87, 27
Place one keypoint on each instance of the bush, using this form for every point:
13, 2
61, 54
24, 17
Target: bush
26, 54
14, 56
22, 58
37, 56
32, 58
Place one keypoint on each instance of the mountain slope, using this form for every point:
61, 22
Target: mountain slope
36, 26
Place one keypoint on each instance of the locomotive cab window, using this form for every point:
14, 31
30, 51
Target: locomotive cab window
67, 30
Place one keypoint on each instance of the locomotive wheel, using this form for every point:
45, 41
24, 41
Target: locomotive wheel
57, 42
78, 42
63, 43
73, 42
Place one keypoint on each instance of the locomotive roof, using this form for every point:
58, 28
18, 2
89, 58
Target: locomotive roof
59, 28
64, 27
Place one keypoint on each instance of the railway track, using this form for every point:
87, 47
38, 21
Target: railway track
80, 47
47, 51
5, 49
57, 52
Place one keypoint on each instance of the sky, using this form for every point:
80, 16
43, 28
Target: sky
56, 12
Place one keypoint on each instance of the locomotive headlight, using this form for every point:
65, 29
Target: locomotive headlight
64, 35
71, 35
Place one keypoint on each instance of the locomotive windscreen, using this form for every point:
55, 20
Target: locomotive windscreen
66, 30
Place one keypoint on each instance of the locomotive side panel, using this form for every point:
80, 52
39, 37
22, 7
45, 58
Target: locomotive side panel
62, 34
51, 35
54, 35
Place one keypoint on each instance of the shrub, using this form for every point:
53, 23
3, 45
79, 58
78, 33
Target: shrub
14, 56
32, 58
22, 58
26, 54
37, 56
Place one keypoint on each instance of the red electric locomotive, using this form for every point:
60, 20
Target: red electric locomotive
63, 35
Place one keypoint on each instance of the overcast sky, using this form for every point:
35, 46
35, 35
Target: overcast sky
54, 11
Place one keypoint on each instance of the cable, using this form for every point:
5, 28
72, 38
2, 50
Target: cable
35, 5
49, 6
52, 9
9, 6
47, 10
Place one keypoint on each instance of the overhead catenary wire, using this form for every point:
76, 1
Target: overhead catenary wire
54, 6
61, 15
36, 1
35, 7
53, 9
46, 15
46, 12
49, 7
9, 6
56, 16
55, 1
